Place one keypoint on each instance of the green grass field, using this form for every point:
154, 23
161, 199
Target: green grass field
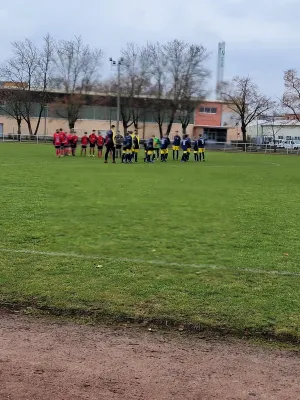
214, 244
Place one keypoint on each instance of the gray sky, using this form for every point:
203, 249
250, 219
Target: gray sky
262, 36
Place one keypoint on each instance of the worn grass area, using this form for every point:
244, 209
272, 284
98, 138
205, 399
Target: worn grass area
238, 211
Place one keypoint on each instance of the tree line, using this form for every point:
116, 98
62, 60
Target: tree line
167, 79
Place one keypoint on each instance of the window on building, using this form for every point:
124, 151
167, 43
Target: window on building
208, 110
280, 137
288, 138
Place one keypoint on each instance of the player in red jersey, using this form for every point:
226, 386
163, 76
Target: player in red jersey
92, 140
62, 136
74, 144
69, 139
100, 144
56, 142
84, 143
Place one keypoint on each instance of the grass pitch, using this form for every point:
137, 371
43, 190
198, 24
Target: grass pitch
214, 244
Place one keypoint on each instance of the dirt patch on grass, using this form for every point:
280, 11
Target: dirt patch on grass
51, 359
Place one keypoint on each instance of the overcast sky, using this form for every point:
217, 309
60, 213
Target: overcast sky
262, 36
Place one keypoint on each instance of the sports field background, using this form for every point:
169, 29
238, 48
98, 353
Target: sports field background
215, 244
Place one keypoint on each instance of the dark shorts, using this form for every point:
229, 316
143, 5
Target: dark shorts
58, 147
83, 146
74, 146
92, 145
100, 147
118, 146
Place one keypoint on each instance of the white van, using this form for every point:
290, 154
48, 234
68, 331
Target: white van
292, 144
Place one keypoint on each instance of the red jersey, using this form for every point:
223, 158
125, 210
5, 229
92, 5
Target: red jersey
63, 137
100, 141
93, 138
56, 139
69, 138
74, 139
84, 140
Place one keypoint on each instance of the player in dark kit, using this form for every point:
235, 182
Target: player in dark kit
176, 145
150, 150
110, 146
184, 147
127, 147
189, 146
164, 148
201, 145
196, 149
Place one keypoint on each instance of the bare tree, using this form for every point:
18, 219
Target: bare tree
29, 73
11, 105
135, 81
291, 97
276, 122
178, 76
77, 73
244, 98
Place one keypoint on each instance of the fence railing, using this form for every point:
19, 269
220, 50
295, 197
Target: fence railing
233, 147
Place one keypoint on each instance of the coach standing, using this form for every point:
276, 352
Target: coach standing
110, 144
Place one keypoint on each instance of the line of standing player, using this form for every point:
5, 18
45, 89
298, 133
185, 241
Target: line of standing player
155, 148
66, 143
152, 152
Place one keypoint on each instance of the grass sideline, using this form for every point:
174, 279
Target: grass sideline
237, 211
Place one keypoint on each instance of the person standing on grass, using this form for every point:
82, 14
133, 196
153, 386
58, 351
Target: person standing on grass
164, 148
92, 141
201, 145
69, 139
119, 142
156, 147
150, 150
176, 145
84, 143
196, 150
100, 144
110, 145
136, 145
184, 147
62, 136
57, 142
127, 149
189, 147
74, 143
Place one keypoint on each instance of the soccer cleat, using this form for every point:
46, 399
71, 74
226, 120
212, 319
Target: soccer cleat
105, 162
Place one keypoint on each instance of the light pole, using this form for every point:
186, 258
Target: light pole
118, 64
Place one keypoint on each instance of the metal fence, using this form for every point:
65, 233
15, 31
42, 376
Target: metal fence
233, 147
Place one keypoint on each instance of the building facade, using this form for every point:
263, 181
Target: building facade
213, 119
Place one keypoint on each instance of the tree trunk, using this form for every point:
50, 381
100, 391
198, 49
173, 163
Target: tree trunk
39, 121
244, 132
170, 126
29, 127
72, 124
184, 129
19, 121
160, 130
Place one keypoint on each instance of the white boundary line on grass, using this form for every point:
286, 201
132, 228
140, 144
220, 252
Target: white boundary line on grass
149, 262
